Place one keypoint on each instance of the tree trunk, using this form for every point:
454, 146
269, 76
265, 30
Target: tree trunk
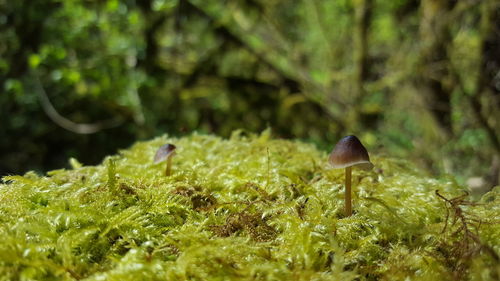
362, 19
434, 71
488, 83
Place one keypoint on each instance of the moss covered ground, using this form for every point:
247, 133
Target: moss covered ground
244, 208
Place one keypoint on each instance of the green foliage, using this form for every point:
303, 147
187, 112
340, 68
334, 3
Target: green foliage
171, 66
243, 208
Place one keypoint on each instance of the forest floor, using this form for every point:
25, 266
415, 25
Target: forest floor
243, 208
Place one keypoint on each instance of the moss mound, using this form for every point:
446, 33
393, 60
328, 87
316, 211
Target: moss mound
246, 208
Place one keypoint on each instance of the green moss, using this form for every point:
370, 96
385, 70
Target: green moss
246, 208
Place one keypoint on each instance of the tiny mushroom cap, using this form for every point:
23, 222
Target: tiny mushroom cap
349, 152
164, 152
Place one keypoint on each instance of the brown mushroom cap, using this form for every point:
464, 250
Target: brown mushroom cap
349, 152
164, 152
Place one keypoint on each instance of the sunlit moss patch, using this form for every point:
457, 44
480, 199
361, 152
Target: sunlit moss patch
244, 208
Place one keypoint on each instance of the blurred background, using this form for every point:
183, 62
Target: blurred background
413, 79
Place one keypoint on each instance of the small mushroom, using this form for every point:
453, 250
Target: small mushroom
348, 153
165, 153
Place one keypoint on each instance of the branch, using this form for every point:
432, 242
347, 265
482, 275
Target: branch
298, 79
477, 109
79, 128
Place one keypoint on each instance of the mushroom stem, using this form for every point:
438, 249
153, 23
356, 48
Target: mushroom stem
348, 206
169, 165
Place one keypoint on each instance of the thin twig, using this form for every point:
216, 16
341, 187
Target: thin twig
65, 123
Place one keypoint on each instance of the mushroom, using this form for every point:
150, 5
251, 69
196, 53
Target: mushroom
348, 153
165, 152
